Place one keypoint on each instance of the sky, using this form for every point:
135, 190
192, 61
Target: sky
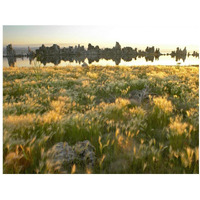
104, 36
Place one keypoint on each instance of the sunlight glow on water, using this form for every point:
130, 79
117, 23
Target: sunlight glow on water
163, 60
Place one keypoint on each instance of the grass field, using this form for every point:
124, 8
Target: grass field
142, 119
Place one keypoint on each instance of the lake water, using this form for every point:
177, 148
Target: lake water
163, 60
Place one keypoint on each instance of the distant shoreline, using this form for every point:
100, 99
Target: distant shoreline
55, 54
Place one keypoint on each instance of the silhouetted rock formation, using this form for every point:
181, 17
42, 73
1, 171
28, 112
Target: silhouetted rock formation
30, 53
93, 50
11, 55
179, 54
149, 50
117, 49
94, 53
129, 50
10, 51
48, 51
195, 54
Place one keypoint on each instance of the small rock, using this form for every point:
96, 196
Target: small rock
61, 157
84, 64
85, 152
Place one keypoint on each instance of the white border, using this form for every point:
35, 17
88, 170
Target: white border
145, 13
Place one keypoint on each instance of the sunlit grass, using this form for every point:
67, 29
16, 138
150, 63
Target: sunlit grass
141, 119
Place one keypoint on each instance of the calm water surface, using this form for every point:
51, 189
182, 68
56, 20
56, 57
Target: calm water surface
163, 60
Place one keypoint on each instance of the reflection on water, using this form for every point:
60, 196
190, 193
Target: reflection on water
11, 61
125, 60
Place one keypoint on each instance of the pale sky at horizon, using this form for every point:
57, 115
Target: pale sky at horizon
104, 36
